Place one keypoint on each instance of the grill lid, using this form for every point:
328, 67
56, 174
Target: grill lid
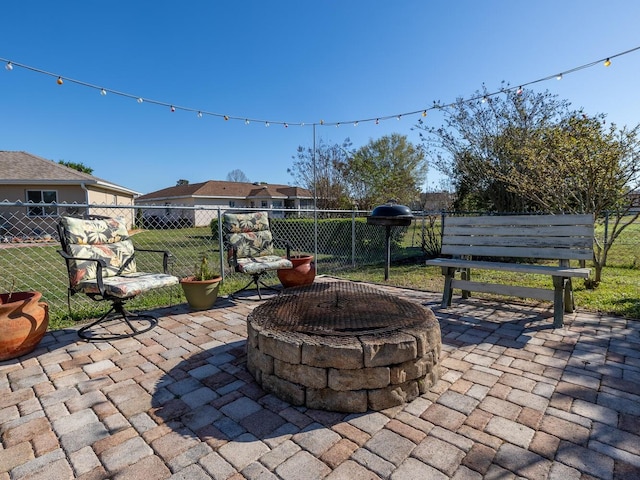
390, 214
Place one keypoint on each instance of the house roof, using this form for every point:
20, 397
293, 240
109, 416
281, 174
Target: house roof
222, 189
22, 168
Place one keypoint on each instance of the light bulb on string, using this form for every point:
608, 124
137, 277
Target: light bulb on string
266, 124
484, 99
399, 117
519, 91
173, 109
103, 92
9, 66
355, 124
199, 114
607, 62
377, 121
59, 81
286, 125
559, 76
246, 121
140, 100
424, 113
337, 124
321, 122
226, 117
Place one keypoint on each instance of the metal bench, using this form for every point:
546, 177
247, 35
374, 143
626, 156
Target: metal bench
485, 242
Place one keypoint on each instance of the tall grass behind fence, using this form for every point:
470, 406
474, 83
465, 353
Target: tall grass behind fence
340, 240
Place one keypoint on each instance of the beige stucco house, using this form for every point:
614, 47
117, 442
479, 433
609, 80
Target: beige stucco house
200, 202
31, 179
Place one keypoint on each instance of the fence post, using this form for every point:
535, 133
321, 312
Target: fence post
353, 238
221, 244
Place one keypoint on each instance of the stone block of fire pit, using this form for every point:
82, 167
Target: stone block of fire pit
343, 346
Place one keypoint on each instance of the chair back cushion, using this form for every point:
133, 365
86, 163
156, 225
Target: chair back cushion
106, 239
248, 234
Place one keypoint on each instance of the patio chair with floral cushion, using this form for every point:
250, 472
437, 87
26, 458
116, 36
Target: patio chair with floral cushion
250, 248
101, 263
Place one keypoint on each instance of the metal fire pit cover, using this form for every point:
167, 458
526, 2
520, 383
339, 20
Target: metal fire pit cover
338, 308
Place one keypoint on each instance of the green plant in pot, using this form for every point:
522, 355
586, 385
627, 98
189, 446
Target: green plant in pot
201, 288
23, 322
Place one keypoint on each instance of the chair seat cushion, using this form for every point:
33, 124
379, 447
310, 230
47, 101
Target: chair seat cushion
129, 285
261, 264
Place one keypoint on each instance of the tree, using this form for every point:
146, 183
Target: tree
182, 181
237, 175
530, 152
328, 182
388, 168
470, 147
81, 167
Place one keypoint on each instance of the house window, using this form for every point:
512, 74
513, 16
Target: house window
232, 203
264, 204
42, 196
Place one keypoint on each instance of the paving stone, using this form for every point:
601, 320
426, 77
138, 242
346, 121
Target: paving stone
240, 408
587, 461
316, 439
458, 402
25, 431
369, 423
439, 454
444, 416
15, 455
279, 454
188, 457
564, 429
244, 450
302, 462
173, 443
216, 466
560, 471
74, 422
127, 453
522, 462
351, 470
413, 469
256, 471
479, 458
82, 437
192, 472
84, 460
500, 407
510, 431
373, 462
389, 445
45, 462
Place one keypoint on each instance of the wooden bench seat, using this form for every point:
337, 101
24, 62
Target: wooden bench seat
485, 242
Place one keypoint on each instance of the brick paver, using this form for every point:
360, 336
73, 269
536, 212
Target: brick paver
517, 399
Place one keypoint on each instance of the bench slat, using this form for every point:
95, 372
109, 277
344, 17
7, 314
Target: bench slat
508, 241
511, 290
520, 231
511, 267
525, 252
571, 220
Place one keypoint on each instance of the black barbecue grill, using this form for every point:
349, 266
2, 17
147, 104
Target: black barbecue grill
390, 215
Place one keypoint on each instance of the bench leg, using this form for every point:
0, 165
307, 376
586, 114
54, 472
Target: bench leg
465, 274
559, 289
449, 274
569, 302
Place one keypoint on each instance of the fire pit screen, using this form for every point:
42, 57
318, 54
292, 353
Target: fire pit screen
324, 309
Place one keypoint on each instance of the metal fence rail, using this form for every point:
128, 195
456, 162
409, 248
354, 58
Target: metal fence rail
340, 240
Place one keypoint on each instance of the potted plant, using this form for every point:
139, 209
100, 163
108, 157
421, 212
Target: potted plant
23, 322
302, 273
201, 288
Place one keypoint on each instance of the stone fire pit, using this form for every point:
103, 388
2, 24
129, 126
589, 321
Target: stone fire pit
343, 346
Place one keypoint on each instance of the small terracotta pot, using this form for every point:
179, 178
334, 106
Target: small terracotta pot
302, 273
23, 323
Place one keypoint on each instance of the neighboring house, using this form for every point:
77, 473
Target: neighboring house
31, 179
215, 194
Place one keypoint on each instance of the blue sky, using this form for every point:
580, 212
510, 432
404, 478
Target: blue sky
284, 61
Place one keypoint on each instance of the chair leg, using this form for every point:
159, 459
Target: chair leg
119, 313
255, 280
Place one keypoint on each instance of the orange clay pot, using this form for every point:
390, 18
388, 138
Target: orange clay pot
302, 273
23, 323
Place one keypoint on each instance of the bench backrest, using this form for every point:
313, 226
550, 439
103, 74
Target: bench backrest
559, 237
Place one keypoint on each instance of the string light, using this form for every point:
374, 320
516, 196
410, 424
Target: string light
9, 65
226, 118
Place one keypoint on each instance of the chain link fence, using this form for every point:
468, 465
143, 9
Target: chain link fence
340, 240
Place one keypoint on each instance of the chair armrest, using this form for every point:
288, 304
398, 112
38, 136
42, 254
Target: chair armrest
100, 265
165, 259
286, 243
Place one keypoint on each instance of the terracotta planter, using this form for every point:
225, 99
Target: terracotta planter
302, 273
23, 323
201, 294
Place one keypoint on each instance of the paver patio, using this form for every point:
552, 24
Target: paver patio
517, 399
